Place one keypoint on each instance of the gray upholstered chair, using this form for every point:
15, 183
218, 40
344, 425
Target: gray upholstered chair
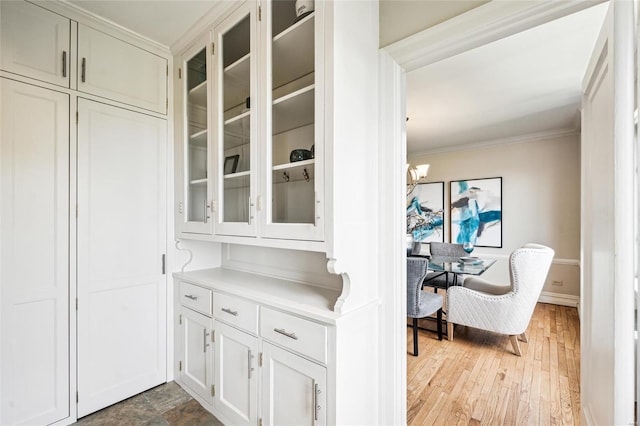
438, 279
421, 303
504, 309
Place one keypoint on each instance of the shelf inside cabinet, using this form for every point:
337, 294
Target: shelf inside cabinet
199, 139
239, 126
291, 172
237, 82
237, 180
198, 182
232, 140
293, 52
237, 175
198, 95
293, 110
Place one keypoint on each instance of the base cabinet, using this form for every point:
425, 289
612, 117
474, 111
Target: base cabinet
293, 389
196, 355
236, 375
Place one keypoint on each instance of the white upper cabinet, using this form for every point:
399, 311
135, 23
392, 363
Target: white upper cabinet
114, 69
35, 42
194, 205
293, 183
236, 116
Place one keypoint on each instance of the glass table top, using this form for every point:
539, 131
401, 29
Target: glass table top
457, 266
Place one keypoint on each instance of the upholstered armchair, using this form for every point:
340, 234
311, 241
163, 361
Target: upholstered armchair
421, 303
504, 309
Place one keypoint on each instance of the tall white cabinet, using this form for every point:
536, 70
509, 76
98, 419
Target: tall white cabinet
34, 225
83, 195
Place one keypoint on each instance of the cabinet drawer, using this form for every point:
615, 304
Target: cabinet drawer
237, 312
196, 298
300, 335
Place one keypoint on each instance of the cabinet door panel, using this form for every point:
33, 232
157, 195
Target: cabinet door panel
35, 42
293, 389
121, 240
197, 367
34, 267
236, 381
117, 70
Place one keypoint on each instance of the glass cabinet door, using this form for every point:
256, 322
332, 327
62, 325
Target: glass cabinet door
195, 207
235, 70
294, 148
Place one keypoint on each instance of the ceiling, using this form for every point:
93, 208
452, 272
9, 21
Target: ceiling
521, 85
163, 21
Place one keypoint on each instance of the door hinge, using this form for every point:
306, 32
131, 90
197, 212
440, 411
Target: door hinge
179, 72
260, 421
259, 13
213, 390
180, 319
77, 117
179, 365
260, 360
213, 48
164, 264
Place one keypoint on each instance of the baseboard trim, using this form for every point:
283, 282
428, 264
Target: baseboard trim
559, 299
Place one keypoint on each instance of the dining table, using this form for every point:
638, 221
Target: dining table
455, 266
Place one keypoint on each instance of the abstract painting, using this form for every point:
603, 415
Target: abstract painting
476, 211
425, 212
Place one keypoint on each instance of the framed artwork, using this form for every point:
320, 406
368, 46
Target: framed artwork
231, 164
476, 211
425, 212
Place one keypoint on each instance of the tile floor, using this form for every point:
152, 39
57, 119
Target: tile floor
167, 404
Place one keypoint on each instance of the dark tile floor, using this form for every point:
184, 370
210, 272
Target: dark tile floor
164, 405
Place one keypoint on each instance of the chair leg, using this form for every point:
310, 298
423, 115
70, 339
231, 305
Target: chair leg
439, 319
515, 344
450, 331
523, 337
415, 337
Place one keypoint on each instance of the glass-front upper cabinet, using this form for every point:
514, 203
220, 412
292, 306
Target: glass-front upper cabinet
235, 114
195, 207
294, 129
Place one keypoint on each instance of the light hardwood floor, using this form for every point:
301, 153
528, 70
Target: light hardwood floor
476, 379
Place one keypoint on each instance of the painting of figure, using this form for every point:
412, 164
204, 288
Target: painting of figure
476, 212
425, 212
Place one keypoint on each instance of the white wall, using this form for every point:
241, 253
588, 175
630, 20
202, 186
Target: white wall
540, 200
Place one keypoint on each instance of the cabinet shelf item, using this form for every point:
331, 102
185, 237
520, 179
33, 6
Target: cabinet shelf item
293, 43
199, 139
198, 95
294, 173
294, 110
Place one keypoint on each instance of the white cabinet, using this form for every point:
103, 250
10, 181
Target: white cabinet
193, 215
34, 247
196, 361
293, 389
236, 375
114, 69
35, 42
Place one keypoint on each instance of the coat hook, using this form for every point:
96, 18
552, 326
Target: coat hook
285, 176
305, 174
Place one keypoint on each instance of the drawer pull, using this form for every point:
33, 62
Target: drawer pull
316, 406
230, 312
191, 296
83, 72
64, 64
285, 333
204, 340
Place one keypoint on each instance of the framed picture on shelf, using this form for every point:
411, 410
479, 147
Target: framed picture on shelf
231, 164
425, 212
476, 211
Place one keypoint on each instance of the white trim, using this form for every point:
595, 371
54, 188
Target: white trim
512, 140
559, 299
482, 25
555, 261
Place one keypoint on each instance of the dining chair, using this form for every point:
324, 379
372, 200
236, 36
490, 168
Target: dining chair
504, 309
437, 279
421, 303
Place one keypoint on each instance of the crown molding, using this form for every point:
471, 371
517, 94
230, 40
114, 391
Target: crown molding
487, 23
530, 137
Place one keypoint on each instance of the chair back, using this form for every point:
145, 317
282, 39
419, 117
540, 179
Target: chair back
446, 250
417, 268
529, 266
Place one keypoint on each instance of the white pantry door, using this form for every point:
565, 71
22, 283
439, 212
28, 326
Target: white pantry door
34, 266
607, 296
121, 242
